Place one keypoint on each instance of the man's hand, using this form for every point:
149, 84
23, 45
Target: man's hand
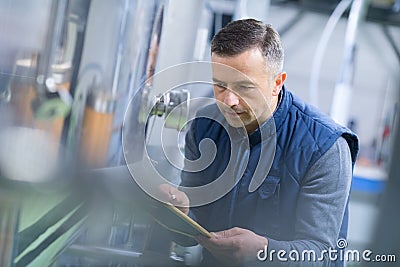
234, 246
177, 198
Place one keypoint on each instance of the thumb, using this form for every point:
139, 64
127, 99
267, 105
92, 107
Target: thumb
228, 233
223, 234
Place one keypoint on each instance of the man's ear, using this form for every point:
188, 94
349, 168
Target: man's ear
278, 83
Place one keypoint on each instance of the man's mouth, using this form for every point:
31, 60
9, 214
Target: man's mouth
233, 113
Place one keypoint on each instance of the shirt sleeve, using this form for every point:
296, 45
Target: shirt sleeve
320, 209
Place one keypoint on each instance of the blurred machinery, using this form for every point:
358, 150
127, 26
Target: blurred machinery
66, 80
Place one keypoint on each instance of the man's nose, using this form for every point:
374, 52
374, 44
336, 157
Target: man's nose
230, 98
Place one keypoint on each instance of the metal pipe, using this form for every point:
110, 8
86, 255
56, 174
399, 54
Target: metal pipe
323, 43
57, 17
342, 94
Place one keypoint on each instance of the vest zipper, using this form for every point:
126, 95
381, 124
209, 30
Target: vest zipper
235, 189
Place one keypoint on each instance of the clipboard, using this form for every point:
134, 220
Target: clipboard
120, 185
176, 221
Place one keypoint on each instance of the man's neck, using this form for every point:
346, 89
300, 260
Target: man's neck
272, 108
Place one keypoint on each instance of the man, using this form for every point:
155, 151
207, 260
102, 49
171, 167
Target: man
301, 204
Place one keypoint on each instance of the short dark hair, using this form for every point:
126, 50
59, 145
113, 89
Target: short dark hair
241, 35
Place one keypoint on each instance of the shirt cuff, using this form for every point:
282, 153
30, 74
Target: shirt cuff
274, 246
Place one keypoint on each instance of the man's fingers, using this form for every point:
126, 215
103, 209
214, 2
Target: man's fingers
223, 234
164, 191
173, 195
216, 243
176, 196
229, 233
178, 199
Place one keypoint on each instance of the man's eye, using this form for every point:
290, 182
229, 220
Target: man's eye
220, 86
245, 88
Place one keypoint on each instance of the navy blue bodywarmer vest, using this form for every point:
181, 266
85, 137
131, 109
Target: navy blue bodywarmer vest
303, 134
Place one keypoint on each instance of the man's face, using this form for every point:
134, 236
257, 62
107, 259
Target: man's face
245, 91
